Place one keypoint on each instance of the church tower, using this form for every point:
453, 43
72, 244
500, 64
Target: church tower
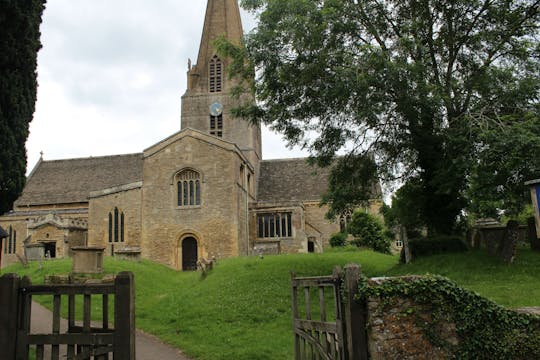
207, 103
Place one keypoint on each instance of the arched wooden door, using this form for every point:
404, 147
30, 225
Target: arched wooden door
189, 254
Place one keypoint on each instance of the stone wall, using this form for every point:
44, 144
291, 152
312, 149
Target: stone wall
317, 225
417, 318
397, 332
128, 201
216, 224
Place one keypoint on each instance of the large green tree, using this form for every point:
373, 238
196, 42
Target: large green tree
19, 43
406, 83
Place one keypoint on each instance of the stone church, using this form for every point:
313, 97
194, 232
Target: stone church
203, 192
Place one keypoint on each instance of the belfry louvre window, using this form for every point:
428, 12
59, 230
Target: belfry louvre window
10, 244
216, 125
189, 188
276, 225
216, 74
116, 226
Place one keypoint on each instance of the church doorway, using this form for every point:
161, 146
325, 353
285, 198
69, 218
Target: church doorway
189, 254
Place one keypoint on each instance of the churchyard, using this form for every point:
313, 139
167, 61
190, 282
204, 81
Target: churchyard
242, 308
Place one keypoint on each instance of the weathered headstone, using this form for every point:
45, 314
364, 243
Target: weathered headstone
534, 186
511, 237
406, 248
533, 239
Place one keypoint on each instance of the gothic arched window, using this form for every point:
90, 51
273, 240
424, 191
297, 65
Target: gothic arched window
10, 244
188, 188
216, 74
116, 226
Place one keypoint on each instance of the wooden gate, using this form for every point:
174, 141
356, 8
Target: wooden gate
80, 341
328, 323
320, 338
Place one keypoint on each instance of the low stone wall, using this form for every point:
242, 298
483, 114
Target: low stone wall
432, 318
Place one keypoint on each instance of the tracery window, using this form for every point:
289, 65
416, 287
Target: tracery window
216, 74
189, 188
116, 226
216, 125
10, 244
344, 220
275, 225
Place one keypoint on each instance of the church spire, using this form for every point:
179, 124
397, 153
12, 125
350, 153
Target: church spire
222, 19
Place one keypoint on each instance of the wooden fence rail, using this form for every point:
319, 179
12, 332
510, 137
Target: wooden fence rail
328, 330
81, 342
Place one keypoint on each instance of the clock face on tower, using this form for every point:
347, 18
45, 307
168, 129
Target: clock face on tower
216, 109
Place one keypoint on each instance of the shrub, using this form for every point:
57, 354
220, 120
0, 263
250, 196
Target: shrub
338, 239
437, 245
368, 231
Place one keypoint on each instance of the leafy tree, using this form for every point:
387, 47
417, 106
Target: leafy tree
507, 156
405, 208
338, 239
407, 81
368, 231
19, 44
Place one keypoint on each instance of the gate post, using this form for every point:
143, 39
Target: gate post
354, 316
124, 317
9, 291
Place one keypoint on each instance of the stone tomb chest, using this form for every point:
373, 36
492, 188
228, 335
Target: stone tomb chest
87, 260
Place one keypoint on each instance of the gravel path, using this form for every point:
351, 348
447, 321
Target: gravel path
147, 347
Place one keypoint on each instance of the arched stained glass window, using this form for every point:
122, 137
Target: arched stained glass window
116, 226
188, 188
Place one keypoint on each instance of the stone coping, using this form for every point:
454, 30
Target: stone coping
128, 251
533, 310
87, 248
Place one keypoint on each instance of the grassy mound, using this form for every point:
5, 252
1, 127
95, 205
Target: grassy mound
242, 309
514, 286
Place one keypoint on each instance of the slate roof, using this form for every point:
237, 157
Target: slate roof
291, 180
295, 180
71, 181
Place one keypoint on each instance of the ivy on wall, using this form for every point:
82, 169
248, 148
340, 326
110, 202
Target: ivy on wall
485, 330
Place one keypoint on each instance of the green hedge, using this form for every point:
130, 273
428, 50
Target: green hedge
436, 245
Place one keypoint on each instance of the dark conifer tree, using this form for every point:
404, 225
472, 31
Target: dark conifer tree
19, 44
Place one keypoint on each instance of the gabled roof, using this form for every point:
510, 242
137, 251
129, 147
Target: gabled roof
285, 180
291, 180
71, 181
3, 233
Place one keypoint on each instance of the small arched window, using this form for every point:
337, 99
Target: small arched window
116, 226
216, 74
188, 188
216, 125
10, 244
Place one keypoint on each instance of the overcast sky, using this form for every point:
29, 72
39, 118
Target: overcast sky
111, 74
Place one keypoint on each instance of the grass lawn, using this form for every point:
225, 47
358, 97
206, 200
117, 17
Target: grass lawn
513, 286
242, 310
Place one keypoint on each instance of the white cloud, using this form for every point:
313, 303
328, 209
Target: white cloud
111, 74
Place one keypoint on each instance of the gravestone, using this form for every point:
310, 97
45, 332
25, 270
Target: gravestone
35, 252
534, 186
533, 239
509, 246
87, 260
